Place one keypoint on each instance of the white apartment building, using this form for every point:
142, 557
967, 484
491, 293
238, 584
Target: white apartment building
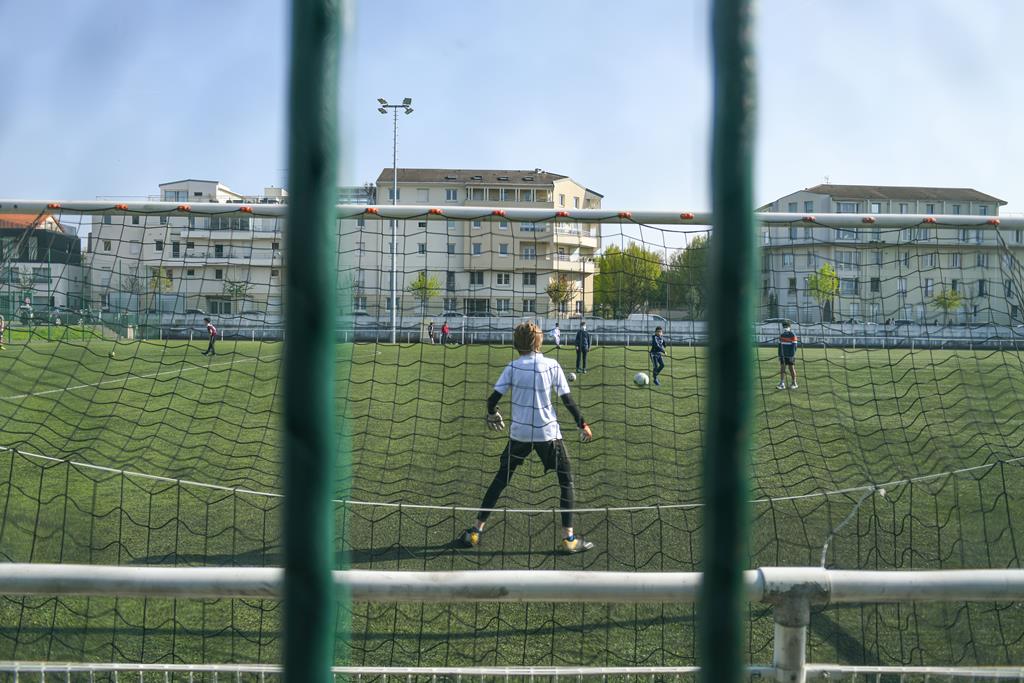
229, 265
488, 266
892, 273
40, 264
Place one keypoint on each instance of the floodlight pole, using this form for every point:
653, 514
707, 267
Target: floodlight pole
383, 109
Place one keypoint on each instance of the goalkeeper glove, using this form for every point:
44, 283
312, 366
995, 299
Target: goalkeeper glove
495, 422
585, 433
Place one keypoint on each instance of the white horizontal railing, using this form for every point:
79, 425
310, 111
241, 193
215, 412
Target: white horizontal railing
543, 215
792, 591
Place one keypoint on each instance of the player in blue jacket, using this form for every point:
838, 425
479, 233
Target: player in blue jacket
787, 356
582, 344
657, 351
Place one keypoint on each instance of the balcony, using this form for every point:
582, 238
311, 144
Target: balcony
569, 263
576, 235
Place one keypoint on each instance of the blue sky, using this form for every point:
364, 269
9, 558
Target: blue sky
114, 97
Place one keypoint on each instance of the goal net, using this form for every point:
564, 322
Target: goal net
121, 443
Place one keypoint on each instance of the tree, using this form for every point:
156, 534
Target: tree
561, 290
424, 288
947, 300
158, 283
686, 282
823, 286
627, 280
237, 290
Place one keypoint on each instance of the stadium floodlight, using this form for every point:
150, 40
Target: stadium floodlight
383, 109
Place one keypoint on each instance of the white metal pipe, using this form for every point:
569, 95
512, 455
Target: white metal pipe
423, 212
768, 584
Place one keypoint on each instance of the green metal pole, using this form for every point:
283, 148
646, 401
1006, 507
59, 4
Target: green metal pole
310, 466
730, 355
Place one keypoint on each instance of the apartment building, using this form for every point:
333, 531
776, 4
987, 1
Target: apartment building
227, 265
891, 273
488, 266
40, 264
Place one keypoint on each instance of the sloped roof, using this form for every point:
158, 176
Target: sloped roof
909, 193
462, 175
42, 221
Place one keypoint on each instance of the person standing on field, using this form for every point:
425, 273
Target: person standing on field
445, 332
582, 348
213, 337
787, 356
430, 331
556, 335
529, 380
657, 351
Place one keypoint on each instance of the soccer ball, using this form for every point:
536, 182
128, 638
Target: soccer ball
571, 377
641, 379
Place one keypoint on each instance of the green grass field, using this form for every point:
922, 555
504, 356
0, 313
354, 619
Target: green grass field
951, 420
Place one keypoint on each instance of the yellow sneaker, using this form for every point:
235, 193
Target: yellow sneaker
576, 544
470, 538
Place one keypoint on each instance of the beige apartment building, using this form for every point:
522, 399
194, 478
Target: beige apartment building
225, 266
487, 266
892, 273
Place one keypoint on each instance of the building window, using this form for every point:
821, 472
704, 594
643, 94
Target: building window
792, 232
504, 305
529, 305
451, 305
954, 286
563, 306
218, 274
878, 257
981, 260
904, 207
476, 194
477, 248
809, 260
955, 260
981, 288
274, 272
421, 248
846, 207
394, 197
159, 245
808, 233
359, 303
848, 285
792, 285
930, 260
529, 279
503, 249
451, 194
135, 220
504, 279
502, 225
956, 209
451, 247
106, 244
561, 200
929, 208
526, 195
982, 210
846, 235
809, 206
906, 259
1008, 288
476, 277
929, 286
452, 225
792, 207
876, 207
847, 259
901, 285
576, 202
529, 253
876, 285
787, 260
108, 220
449, 280
477, 225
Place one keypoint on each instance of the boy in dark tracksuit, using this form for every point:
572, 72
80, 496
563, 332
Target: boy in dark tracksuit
657, 351
787, 356
582, 348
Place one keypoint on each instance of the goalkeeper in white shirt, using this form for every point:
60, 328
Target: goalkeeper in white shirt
530, 379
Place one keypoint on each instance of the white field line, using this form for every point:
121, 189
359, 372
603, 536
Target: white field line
129, 378
420, 506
